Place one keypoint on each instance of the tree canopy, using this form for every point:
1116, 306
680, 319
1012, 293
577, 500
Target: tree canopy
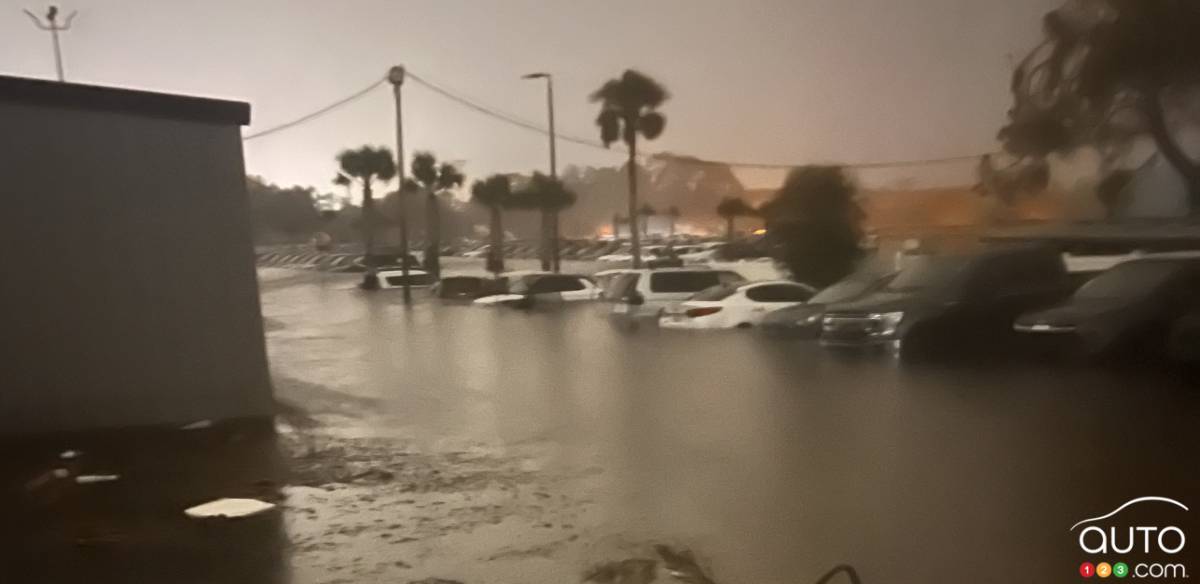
1106, 72
814, 225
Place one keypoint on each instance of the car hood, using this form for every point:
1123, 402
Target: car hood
498, 299
1071, 313
792, 315
879, 302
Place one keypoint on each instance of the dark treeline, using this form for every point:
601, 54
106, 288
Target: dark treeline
294, 214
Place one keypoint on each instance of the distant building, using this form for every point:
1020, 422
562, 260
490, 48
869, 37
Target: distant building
129, 293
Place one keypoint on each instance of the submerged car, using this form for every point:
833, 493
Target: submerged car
738, 305
1128, 309
645, 293
467, 287
390, 279
539, 288
804, 320
944, 304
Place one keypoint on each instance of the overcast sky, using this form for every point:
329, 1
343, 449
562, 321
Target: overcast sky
780, 81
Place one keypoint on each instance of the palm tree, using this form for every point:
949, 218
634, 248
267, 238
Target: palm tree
646, 211
367, 164
673, 215
342, 180
627, 109
550, 196
731, 208
495, 193
434, 180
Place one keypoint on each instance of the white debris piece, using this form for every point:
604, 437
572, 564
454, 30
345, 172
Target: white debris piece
90, 479
69, 454
200, 425
229, 508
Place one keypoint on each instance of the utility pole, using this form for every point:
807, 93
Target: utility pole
54, 27
396, 78
554, 259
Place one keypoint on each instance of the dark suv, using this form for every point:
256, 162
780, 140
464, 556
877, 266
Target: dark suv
940, 304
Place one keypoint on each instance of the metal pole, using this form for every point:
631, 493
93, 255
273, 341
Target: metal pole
553, 167
57, 53
396, 77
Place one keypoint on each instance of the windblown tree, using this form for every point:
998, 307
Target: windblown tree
1107, 72
730, 208
628, 109
549, 196
814, 226
673, 215
434, 180
646, 211
366, 165
494, 193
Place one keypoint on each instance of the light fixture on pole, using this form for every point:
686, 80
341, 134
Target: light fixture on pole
52, 25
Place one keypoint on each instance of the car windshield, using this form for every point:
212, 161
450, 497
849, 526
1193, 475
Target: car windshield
716, 292
1128, 280
929, 273
675, 282
847, 289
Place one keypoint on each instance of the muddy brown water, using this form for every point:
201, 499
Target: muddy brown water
445, 441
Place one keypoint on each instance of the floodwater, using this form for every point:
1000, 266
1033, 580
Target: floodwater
773, 460
444, 443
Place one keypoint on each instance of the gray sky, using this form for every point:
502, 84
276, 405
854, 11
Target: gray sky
782, 81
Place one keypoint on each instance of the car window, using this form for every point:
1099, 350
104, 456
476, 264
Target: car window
457, 286
413, 280
548, 284
778, 293
676, 282
718, 292
930, 273
848, 289
1128, 280
620, 287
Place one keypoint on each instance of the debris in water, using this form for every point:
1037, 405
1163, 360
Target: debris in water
200, 425
91, 479
69, 454
229, 508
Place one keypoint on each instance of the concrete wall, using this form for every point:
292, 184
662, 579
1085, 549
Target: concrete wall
129, 294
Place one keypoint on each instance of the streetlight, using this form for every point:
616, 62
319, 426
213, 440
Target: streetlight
396, 78
553, 156
54, 27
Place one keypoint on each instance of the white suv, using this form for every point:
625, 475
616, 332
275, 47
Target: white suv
645, 293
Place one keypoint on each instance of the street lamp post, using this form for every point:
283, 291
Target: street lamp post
553, 154
54, 27
396, 78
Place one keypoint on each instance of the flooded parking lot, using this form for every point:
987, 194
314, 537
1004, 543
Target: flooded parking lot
773, 460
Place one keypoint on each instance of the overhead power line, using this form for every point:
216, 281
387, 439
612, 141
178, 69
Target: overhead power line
318, 113
531, 126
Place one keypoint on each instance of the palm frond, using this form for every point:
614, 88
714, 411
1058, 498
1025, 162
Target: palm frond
651, 125
424, 169
449, 177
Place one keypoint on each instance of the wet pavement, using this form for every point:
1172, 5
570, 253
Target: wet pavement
445, 442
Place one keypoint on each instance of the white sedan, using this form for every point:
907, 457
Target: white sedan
740, 305
534, 288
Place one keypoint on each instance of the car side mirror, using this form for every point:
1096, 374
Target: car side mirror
635, 298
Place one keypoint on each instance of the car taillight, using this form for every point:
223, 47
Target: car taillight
705, 311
